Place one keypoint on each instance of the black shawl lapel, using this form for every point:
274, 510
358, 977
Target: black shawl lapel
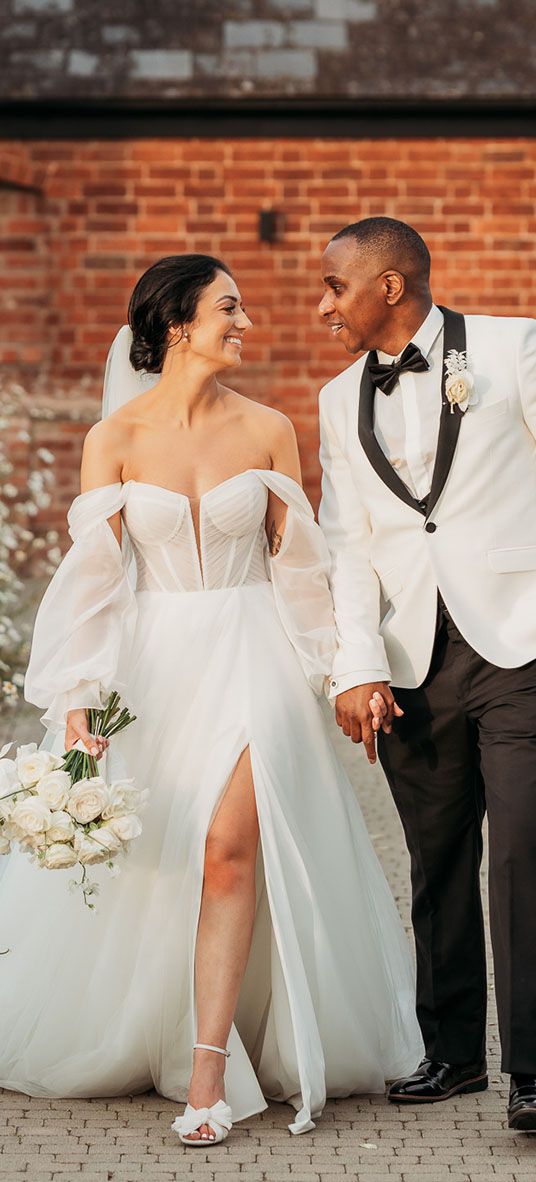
370, 444
454, 337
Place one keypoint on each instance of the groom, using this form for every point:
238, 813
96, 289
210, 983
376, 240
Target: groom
428, 448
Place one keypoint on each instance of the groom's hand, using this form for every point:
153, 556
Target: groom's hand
359, 721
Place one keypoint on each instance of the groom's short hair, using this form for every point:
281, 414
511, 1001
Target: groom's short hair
396, 244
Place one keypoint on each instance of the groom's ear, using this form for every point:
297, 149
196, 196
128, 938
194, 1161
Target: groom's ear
394, 286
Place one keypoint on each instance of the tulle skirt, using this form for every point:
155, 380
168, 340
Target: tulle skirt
103, 1004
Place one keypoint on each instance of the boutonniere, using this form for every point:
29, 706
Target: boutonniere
459, 385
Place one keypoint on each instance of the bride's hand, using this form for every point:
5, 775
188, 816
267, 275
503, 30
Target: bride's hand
77, 729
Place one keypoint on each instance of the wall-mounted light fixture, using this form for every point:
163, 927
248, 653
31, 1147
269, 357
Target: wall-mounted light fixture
271, 225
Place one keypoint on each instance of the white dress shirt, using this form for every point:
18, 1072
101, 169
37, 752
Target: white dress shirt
406, 425
406, 422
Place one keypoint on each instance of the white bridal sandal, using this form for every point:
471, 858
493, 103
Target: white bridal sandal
219, 1116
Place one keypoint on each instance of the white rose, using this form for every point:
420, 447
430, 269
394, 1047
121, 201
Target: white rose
87, 799
59, 856
32, 816
5, 845
12, 832
36, 842
6, 809
105, 837
124, 798
54, 789
88, 851
9, 779
8, 831
32, 764
459, 386
125, 828
62, 827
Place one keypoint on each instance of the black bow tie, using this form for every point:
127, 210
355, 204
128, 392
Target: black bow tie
385, 377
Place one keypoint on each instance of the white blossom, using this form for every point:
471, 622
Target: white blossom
45, 455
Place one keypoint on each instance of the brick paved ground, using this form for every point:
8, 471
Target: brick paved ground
361, 1139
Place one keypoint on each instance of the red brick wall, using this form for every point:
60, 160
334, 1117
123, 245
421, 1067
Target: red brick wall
72, 246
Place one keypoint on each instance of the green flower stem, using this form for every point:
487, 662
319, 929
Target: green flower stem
85, 891
108, 721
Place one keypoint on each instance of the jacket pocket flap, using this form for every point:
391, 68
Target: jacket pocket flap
512, 559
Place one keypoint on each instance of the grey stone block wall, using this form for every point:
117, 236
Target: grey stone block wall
363, 49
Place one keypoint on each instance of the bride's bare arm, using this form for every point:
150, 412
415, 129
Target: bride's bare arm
285, 458
101, 465
103, 459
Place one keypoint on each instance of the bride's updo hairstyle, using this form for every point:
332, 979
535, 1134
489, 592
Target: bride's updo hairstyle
166, 295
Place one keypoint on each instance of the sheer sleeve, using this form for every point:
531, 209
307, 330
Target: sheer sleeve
299, 574
86, 619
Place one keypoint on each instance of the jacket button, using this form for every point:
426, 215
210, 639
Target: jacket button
430, 527
333, 684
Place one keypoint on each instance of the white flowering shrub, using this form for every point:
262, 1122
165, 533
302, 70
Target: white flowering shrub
24, 548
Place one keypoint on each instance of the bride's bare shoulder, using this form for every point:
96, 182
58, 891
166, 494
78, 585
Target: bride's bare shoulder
105, 447
271, 433
110, 433
271, 423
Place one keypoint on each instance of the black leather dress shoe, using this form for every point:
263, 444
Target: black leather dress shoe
433, 1081
522, 1103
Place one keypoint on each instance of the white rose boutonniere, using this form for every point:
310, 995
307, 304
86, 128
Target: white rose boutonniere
459, 384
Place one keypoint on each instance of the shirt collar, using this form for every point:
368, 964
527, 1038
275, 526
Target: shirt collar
424, 338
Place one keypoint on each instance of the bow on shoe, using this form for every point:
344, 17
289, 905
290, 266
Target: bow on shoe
219, 1117
385, 377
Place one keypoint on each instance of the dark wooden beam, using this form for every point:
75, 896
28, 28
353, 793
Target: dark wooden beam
278, 118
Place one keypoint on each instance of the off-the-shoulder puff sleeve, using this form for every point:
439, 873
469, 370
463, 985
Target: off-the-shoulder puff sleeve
86, 620
299, 574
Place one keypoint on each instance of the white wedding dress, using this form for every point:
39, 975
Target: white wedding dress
214, 651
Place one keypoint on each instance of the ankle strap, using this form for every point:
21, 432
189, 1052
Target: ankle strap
206, 1046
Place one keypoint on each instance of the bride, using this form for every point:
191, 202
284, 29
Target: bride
252, 918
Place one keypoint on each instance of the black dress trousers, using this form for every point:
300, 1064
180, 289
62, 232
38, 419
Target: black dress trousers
467, 743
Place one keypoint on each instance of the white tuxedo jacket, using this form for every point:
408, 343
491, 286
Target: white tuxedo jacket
474, 538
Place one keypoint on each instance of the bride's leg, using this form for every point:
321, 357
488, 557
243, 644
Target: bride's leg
225, 929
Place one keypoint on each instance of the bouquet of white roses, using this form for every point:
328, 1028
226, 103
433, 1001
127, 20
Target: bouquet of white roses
62, 812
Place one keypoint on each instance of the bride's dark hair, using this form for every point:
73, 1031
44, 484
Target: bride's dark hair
167, 294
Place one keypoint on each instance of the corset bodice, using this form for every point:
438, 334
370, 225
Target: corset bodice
228, 551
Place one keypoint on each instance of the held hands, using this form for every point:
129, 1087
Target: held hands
77, 729
362, 711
